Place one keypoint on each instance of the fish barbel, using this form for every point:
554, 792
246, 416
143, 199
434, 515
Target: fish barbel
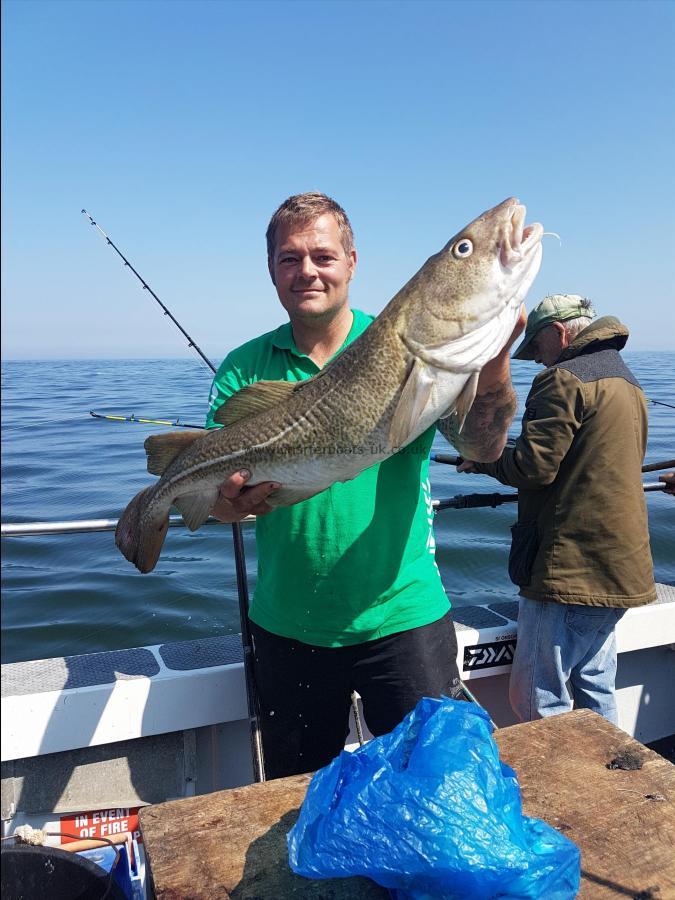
417, 362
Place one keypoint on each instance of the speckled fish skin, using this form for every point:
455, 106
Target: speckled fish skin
417, 362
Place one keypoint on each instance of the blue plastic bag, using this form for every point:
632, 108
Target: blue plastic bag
430, 811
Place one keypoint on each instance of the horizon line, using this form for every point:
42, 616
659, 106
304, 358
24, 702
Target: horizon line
201, 362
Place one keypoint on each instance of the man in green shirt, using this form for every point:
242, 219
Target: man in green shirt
348, 595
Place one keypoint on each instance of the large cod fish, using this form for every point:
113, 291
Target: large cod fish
418, 362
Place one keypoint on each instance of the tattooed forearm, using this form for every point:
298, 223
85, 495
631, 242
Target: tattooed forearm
485, 429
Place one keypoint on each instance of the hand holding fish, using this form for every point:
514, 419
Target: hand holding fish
236, 501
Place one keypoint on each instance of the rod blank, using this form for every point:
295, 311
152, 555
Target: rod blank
146, 287
450, 460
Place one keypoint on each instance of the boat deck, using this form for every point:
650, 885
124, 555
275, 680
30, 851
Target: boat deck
55, 705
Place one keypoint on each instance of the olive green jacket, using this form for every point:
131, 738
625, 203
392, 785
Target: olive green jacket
581, 535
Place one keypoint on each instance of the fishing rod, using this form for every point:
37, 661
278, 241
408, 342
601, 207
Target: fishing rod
144, 421
654, 467
146, 287
252, 699
660, 403
474, 501
451, 460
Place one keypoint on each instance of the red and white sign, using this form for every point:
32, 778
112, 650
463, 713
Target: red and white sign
100, 823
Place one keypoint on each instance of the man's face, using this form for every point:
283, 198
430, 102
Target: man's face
311, 270
548, 343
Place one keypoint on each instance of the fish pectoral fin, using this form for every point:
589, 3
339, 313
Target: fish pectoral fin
411, 404
162, 449
464, 402
252, 400
196, 508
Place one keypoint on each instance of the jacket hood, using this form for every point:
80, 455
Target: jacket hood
608, 331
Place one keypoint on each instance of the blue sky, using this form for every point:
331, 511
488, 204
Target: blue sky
182, 125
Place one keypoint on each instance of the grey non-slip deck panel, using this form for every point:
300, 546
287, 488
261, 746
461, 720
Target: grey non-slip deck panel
225, 650
62, 673
476, 617
107, 667
506, 608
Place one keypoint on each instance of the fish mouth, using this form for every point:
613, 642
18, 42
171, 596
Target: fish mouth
518, 240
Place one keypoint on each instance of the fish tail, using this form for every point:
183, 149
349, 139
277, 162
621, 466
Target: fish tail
139, 535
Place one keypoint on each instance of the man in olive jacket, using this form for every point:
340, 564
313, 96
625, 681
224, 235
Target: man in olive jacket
580, 549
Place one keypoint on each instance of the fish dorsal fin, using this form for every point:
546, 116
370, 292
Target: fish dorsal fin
254, 399
162, 449
464, 402
411, 404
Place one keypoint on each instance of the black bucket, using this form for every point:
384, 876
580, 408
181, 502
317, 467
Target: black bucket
35, 872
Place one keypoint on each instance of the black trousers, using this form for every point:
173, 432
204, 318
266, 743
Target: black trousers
305, 691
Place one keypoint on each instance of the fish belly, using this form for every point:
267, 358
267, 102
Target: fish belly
303, 478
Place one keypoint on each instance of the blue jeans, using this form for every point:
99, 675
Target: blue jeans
560, 643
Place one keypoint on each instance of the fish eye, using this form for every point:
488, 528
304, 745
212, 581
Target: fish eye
462, 249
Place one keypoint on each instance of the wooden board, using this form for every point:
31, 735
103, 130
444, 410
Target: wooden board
232, 844
627, 840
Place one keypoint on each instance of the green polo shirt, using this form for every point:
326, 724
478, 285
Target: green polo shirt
355, 562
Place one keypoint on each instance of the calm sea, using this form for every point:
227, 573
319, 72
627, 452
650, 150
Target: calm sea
75, 593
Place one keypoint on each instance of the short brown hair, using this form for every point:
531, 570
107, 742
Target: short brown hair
301, 209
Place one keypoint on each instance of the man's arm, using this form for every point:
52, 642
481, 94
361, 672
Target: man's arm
554, 413
486, 426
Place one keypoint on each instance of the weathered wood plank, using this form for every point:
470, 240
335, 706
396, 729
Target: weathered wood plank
232, 844
627, 841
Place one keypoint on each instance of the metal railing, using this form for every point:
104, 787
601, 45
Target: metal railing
84, 526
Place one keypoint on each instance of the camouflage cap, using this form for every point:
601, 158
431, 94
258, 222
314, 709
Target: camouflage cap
554, 308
